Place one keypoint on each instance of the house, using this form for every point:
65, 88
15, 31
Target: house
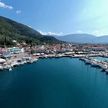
16, 50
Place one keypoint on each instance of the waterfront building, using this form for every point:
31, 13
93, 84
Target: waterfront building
6, 54
16, 50
2, 61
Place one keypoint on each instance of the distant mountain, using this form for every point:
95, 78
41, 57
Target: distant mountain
103, 39
83, 38
12, 30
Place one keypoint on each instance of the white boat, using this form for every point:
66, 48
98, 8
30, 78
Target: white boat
34, 60
15, 63
10, 69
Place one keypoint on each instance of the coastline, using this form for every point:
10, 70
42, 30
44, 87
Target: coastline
103, 65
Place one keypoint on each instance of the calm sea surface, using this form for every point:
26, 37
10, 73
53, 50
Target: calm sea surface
54, 83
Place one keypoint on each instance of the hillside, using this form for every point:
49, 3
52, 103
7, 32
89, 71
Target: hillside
83, 38
11, 30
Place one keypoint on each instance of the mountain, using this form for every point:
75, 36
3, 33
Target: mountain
103, 39
78, 38
12, 30
83, 38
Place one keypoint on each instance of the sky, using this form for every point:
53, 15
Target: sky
59, 17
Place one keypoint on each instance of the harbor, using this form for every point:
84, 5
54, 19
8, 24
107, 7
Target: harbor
53, 54
15, 56
23, 58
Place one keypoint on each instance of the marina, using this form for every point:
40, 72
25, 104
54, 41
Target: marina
15, 56
21, 58
102, 64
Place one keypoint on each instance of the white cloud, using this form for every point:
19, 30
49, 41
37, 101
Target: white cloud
18, 11
6, 6
3, 5
50, 33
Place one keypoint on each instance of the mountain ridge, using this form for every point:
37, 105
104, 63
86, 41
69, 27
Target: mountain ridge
83, 38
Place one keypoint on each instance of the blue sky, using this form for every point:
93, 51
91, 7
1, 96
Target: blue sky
59, 16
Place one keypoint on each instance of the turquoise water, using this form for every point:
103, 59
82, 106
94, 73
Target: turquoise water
101, 58
54, 83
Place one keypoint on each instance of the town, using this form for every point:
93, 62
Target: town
22, 53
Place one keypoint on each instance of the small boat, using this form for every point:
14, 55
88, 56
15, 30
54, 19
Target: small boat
104, 68
95, 65
10, 69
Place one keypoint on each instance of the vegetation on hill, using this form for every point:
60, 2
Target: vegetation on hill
11, 30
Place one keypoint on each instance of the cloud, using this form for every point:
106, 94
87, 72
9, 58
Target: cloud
5, 6
50, 33
18, 11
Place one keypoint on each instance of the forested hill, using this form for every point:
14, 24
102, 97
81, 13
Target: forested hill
11, 30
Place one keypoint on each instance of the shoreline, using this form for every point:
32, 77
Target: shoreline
10, 64
24, 58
